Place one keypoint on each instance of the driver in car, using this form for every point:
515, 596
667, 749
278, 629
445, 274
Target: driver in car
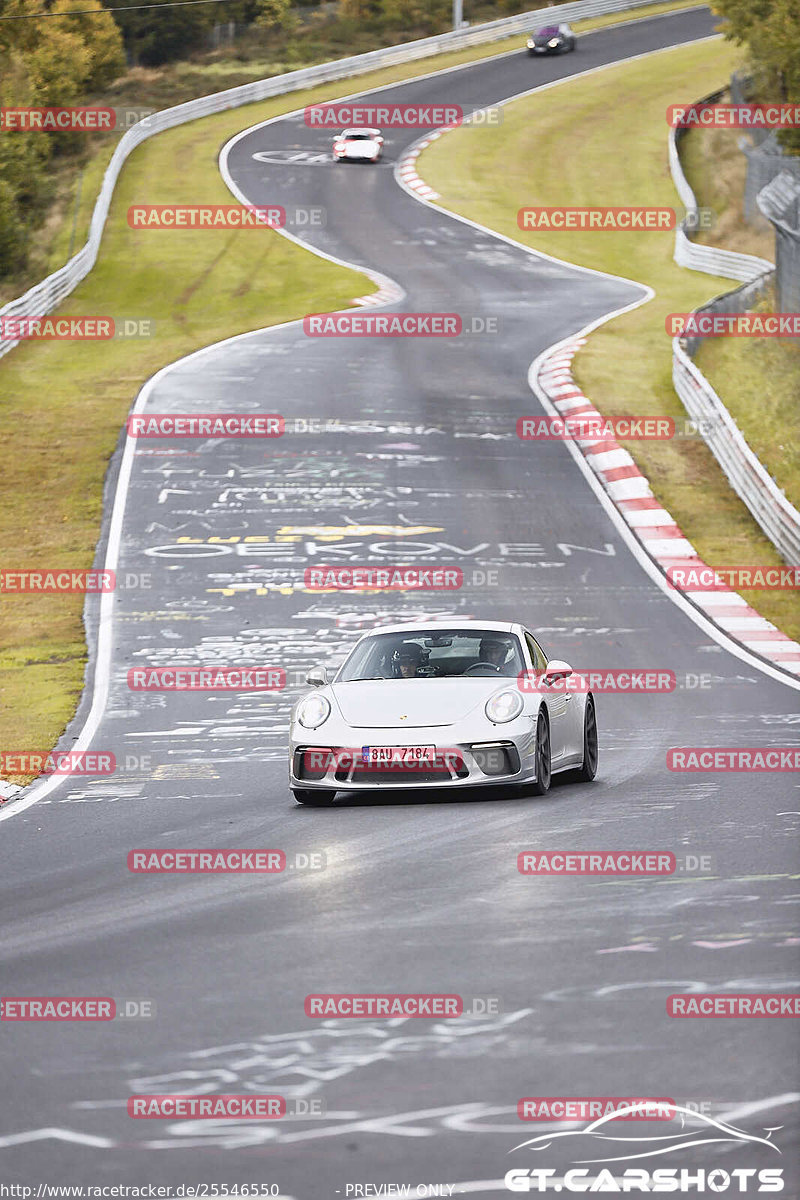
492, 651
407, 661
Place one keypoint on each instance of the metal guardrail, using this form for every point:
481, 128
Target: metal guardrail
47, 295
779, 519
710, 259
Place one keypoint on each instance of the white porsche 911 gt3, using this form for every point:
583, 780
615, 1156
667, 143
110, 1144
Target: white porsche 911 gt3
429, 706
358, 145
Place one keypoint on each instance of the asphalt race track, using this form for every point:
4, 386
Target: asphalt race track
409, 454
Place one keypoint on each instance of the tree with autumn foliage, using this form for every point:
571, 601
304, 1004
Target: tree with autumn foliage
45, 60
769, 30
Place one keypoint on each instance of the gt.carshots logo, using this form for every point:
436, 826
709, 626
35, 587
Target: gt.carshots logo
384, 116
596, 862
733, 758
390, 579
639, 1179
193, 425
361, 324
545, 428
196, 679
603, 1146
627, 219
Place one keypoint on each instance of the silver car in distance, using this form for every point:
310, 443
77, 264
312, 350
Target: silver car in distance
431, 705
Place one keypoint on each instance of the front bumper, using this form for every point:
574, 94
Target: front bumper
475, 757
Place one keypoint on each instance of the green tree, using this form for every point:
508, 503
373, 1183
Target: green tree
769, 30
102, 37
276, 14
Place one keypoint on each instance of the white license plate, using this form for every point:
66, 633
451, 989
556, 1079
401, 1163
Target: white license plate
398, 756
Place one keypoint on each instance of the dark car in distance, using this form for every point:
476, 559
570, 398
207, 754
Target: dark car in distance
553, 39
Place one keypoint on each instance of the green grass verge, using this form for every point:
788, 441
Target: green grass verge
716, 170
602, 141
759, 380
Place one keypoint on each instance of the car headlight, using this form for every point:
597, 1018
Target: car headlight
313, 711
531, 43
553, 43
504, 706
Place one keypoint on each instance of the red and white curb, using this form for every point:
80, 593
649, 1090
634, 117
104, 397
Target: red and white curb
407, 165
387, 293
652, 525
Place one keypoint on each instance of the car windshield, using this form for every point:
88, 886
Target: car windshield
549, 31
358, 137
434, 654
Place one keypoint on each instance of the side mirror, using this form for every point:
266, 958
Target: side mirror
556, 669
317, 676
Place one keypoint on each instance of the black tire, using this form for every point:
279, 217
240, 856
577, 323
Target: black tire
314, 797
542, 785
590, 749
